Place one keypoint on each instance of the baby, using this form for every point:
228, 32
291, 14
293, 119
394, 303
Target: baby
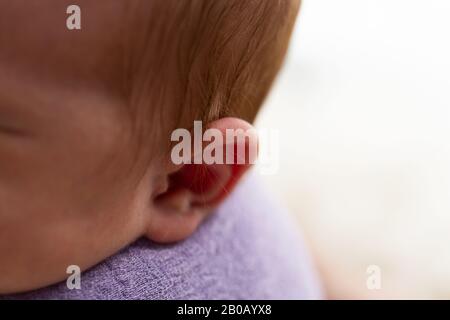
86, 116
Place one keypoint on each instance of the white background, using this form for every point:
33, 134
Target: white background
363, 110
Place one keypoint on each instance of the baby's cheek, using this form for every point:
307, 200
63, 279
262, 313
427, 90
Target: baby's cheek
34, 175
67, 169
59, 205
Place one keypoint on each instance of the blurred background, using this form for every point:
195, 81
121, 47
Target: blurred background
363, 111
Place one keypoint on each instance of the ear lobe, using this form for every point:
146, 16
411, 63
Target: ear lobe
195, 189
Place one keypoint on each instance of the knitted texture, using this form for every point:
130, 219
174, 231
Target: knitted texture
249, 248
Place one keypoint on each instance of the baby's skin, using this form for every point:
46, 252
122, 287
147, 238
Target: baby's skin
88, 109
72, 191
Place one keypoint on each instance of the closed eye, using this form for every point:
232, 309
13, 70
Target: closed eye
12, 131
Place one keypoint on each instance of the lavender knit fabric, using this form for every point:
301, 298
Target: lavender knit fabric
249, 249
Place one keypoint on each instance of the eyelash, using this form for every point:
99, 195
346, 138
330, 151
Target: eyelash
7, 130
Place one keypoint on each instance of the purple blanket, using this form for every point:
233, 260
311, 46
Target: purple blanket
249, 249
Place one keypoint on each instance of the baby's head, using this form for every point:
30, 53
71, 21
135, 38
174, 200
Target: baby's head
86, 118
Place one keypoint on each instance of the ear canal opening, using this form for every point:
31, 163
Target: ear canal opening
206, 183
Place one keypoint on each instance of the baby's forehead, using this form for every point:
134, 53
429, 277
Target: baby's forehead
34, 36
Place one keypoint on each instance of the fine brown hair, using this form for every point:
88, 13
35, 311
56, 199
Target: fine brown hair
202, 59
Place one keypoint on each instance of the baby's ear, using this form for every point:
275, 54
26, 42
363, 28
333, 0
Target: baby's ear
214, 166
